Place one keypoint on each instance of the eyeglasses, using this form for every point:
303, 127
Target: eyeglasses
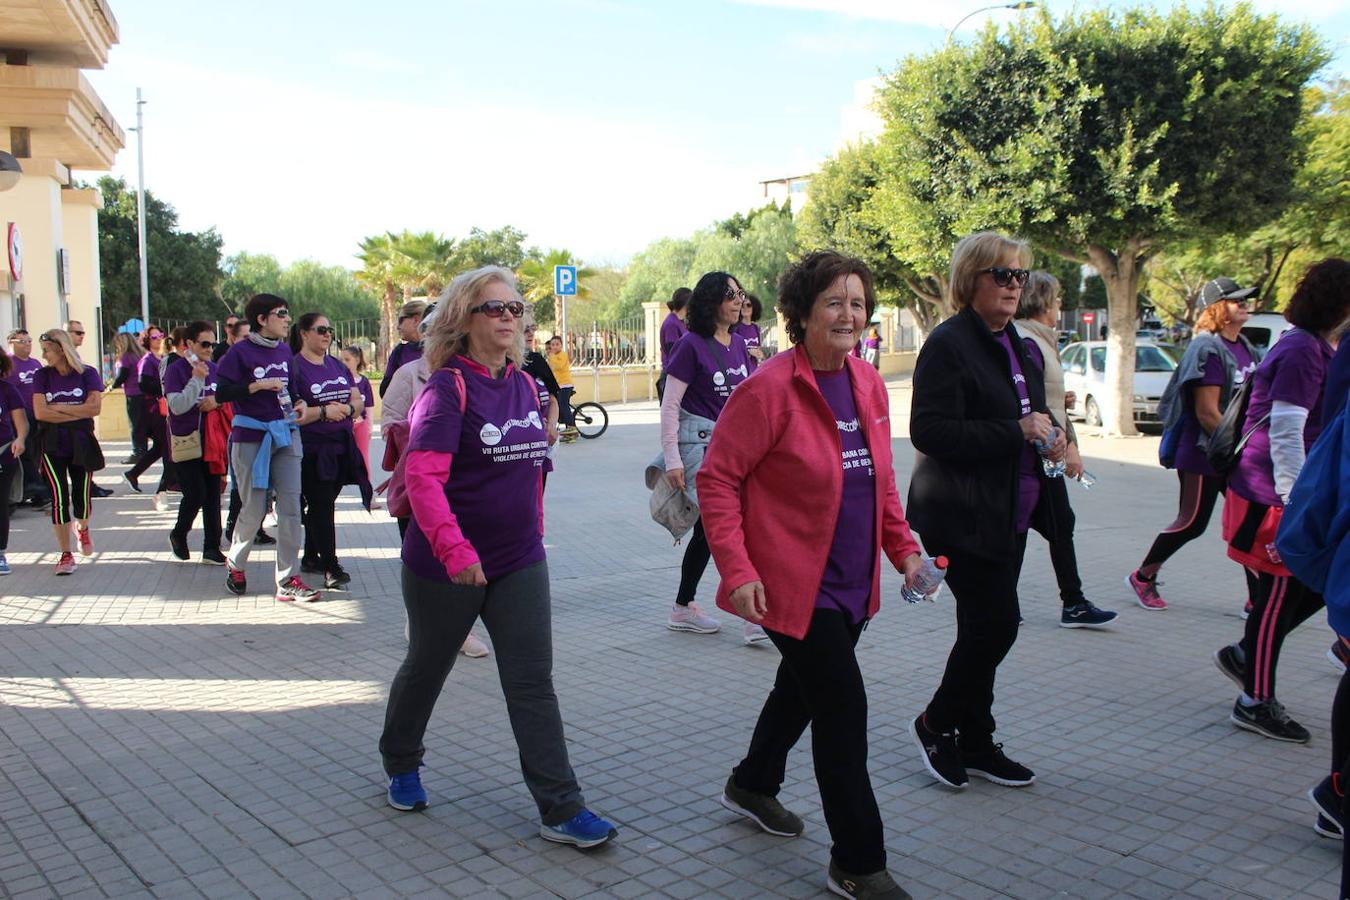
324, 330
735, 294
282, 313
78, 333
22, 341
494, 309
206, 345
1004, 276
46, 340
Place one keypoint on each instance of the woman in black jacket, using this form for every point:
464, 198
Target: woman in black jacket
978, 409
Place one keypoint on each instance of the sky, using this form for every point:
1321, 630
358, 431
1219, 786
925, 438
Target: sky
297, 128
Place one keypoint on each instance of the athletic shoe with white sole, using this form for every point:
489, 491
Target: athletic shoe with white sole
1328, 801
1269, 719
1145, 591
992, 765
753, 634
473, 647
763, 810
1085, 615
406, 792
940, 753
877, 886
691, 618
584, 830
1230, 661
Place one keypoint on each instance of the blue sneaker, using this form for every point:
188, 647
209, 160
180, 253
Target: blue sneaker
583, 830
406, 791
4, 565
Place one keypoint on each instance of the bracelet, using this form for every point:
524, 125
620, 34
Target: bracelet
323, 413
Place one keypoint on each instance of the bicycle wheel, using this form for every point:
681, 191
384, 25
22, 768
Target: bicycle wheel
590, 419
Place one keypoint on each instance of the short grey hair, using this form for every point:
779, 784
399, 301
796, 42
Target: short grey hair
1038, 295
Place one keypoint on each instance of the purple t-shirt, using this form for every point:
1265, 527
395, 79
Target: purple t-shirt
367, 394
1028, 483
66, 390
10, 400
148, 367
317, 385
1294, 371
22, 378
672, 329
246, 362
1190, 458
176, 377
130, 361
710, 378
847, 583
499, 444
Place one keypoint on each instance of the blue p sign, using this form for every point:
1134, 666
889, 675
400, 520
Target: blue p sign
565, 281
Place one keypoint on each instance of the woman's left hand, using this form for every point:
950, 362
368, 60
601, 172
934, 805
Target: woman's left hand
552, 433
911, 564
750, 602
1073, 462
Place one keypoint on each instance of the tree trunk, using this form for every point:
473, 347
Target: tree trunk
1120, 271
934, 303
388, 321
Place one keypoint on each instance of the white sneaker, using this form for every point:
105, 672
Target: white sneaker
691, 618
754, 634
473, 648
161, 502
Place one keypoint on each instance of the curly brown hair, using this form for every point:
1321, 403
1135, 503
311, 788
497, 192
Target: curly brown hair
808, 278
1321, 301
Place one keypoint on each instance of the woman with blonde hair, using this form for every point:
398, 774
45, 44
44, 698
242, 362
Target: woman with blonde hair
978, 421
474, 547
67, 398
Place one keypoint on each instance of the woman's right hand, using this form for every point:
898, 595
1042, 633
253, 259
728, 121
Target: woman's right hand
750, 602
199, 370
1035, 427
471, 575
267, 384
675, 478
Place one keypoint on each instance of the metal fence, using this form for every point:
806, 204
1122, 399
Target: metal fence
620, 342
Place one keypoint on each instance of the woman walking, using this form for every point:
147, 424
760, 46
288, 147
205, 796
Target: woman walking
813, 423
475, 548
67, 398
749, 332
331, 458
156, 427
705, 366
14, 427
197, 441
978, 409
1284, 418
129, 352
354, 358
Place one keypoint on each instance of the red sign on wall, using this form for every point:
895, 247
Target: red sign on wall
15, 251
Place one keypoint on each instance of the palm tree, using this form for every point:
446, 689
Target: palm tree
430, 261
536, 279
381, 268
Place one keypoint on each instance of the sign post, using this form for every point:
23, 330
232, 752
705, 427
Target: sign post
564, 286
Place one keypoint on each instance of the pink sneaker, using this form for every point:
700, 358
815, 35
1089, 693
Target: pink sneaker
86, 542
66, 565
691, 618
1145, 590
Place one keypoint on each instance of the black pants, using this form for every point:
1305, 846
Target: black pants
1062, 554
565, 406
201, 494
1198, 495
236, 504
69, 485
819, 683
8, 472
696, 556
986, 628
157, 427
319, 511
1340, 764
35, 488
1282, 604
136, 421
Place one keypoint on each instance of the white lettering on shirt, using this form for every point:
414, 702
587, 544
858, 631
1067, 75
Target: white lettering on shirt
491, 435
318, 388
261, 371
77, 393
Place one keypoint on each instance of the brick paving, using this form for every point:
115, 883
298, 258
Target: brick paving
160, 737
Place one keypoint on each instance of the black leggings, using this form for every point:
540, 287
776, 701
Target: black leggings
696, 556
1282, 604
157, 427
320, 509
1198, 494
69, 484
1063, 556
201, 494
8, 472
1340, 764
136, 419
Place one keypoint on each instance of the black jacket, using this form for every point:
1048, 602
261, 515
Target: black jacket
964, 426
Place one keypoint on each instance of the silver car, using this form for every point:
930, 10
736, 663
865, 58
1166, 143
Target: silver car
1085, 376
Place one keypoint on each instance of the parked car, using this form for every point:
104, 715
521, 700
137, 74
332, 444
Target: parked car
1264, 329
1085, 375
1066, 337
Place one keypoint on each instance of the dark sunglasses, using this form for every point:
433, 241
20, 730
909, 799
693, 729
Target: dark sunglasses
206, 345
494, 309
735, 294
79, 333
282, 313
1004, 277
324, 330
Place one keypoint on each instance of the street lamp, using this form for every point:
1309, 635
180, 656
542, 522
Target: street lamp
10, 170
1025, 4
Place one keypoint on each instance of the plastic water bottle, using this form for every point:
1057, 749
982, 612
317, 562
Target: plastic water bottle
287, 407
1087, 480
1052, 469
927, 580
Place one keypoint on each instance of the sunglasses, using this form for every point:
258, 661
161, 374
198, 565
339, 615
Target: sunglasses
324, 330
1004, 276
206, 345
494, 309
282, 313
735, 294
78, 333
156, 336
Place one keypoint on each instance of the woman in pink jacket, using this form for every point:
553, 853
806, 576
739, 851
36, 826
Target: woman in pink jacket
811, 423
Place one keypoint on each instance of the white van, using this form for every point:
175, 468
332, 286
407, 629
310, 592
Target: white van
1264, 329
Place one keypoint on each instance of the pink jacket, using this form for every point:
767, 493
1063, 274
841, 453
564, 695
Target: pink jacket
772, 482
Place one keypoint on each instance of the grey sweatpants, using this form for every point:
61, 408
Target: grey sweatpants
285, 481
516, 609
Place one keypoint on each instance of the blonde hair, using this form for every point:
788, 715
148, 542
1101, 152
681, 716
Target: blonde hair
448, 333
126, 343
982, 250
60, 337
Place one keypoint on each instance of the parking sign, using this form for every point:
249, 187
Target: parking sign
565, 281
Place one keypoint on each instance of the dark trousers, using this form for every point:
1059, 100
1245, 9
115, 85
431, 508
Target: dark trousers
1198, 495
35, 488
1062, 554
8, 472
565, 405
986, 628
69, 485
136, 419
1340, 764
819, 684
319, 512
201, 494
157, 428
235, 505
696, 556
1282, 604
517, 611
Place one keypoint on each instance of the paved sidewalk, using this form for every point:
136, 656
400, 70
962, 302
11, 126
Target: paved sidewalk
159, 736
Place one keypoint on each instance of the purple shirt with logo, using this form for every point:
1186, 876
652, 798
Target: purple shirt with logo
1190, 458
318, 385
10, 401
498, 444
176, 377
367, 394
847, 583
246, 362
672, 329
1294, 371
66, 390
1028, 482
21, 376
711, 372
131, 362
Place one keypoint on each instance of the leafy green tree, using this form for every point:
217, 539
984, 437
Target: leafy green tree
535, 277
501, 247
247, 274
184, 267
1103, 136
383, 271
310, 286
655, 273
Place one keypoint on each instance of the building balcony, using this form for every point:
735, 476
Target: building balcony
66, 119
75, 33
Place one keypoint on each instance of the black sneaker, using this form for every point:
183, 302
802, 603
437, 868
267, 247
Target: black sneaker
262, 538
336, 581
212, 556
992, 765
338, 574
1085, 615
941, 756
179, 545
1338, 656
1330, 821
132, 483
235, 582
1232, 663
98, 490
132, 459
310, 566
763, 810
877, 885
1269, 719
